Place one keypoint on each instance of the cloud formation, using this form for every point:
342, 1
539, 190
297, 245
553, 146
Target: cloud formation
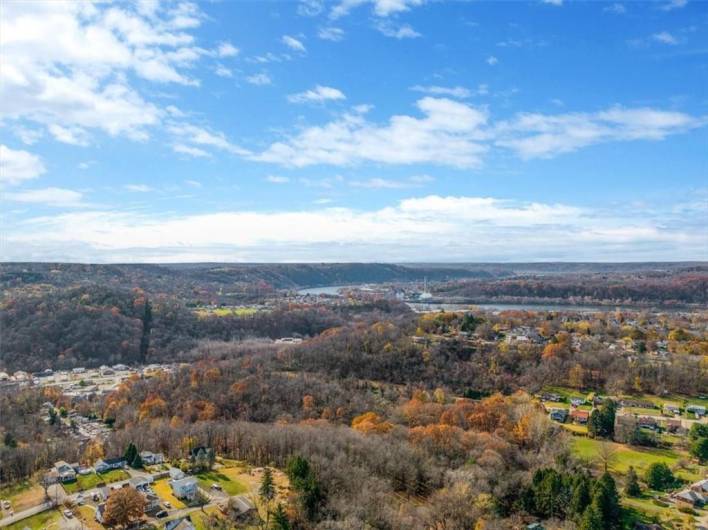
319, 94
17, 166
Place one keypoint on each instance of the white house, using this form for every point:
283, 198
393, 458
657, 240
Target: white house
184, 488
176, 473
65, 473
109, 463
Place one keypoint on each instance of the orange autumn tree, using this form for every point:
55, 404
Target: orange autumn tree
370, 422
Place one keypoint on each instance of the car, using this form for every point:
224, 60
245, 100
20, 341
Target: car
68, 514
161, 514
96, 497
167, 504
216, 487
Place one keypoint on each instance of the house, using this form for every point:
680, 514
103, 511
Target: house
100, 512
698, 410
176, 473
152, 502
674, 426
690, 497
184, 488
141, 482
701, 486
149, 458
580, 416
183, 523
576, 402
107, 464
65, 473
558, 415
671, 410
551, 397
241, 509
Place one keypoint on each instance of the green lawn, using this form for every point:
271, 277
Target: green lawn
38, 522
230, 485
86, 482
639, 457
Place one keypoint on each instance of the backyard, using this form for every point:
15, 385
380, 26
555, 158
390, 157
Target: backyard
87, 482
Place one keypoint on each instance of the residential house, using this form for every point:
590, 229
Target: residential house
558, 415
698, 410
675, 426
241, 509
691, 497
183, 523
149, 458
141, 482
549, 396
107, 464
580, 416
184, 488
100, 512
648, 422
152, 503
576, 402
65, 473
672, 410
176, 473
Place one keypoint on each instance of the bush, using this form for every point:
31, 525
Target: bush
660, 477
687, 509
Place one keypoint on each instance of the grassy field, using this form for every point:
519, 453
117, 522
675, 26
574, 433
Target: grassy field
87, 514
23, 495
38, 522
86, 482
575, 428
164, 491
227, 478
227, 311
639, 457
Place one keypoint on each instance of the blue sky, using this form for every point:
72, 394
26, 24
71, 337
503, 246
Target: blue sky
368, 130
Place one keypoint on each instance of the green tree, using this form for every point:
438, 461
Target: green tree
605, 496
580, 498
698, 430
699, 449
280, 519
659, 477
137, 462
632, 487
592, 518
303, 480
130, 453
267, 489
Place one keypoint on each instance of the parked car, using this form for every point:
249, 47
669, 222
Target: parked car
167, 504
216, 487
68, 514
161, 514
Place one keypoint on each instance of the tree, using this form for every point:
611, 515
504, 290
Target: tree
659, 477
124, 506
699, 449
580, 498
632, 487
267, 489
137, 462
303, 480
607, 499
602, 420
592, 518
280, 519
606, 455
130, 453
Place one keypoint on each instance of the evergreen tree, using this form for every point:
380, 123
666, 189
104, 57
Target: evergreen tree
267, 489
659, 476
280, 519
632, 487
592, 518
607, 499
137, 462
130, 453
580, 498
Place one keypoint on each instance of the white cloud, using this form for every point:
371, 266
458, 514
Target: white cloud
544, 136
189, 150
404, 31
222, 71
260, 79
138, 188
319, 94
455, 92
277, 179
193, 183
28, 136
556, 3
449, 227
293, 43
674, 4
331, 33
491, 60
449, 133
17, 166
664, 37
200, 137
67, 64
381, 8
226, 49
69, 135
55, 197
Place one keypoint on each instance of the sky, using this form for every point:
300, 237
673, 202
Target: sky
354, 130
